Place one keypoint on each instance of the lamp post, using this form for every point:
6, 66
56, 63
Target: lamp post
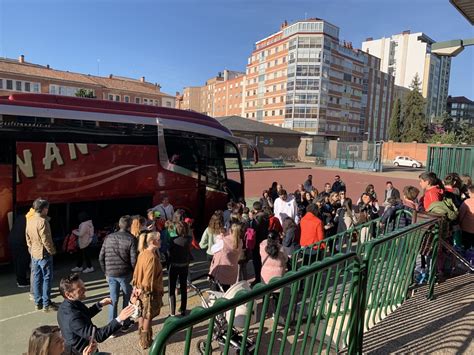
451, 48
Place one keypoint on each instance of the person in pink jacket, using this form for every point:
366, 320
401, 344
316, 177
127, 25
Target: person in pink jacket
466, 220
274, 259
227, 250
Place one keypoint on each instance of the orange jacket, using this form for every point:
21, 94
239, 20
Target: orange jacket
311, 230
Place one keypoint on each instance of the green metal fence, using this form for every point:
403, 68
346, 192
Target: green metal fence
445, 160
323, 307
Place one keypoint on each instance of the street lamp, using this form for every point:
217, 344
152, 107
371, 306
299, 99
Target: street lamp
451, 48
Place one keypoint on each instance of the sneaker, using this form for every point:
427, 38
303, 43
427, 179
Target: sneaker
112, 336
51, 307
77, 269
38, 307
31, 297
22, 285
88, 270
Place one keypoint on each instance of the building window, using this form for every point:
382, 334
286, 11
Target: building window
126, 99
9, 84
18, 86
27, 86
111, 97
1, 83
117, 97
36, 87
137, 100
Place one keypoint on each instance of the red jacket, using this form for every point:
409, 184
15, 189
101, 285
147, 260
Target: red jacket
311, 230
274, 224
432, 194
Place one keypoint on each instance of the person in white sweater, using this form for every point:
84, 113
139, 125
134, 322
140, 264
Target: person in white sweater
285, 206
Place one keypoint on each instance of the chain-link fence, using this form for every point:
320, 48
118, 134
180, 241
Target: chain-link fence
346, 155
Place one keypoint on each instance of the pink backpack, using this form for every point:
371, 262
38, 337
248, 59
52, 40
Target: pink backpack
250, 239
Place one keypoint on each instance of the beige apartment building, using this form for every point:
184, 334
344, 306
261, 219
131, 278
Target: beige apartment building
19, 76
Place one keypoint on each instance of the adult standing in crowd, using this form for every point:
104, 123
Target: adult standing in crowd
19, 250
84, 234
390, 191
179, 259
266, 200
285, 206
273, 191
165, 208
327, 190
227, 251
75, 318
338, 185
274, 259
214, 228
117, 259
311, 227
41, 247
308, 184
148, 285
345, 217
260, 224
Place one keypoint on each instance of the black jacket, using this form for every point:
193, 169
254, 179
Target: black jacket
338, 186
118, 255
75, 321
180, 250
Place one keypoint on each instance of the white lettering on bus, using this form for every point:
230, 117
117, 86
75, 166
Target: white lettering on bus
72, 150
25, 165
52, 153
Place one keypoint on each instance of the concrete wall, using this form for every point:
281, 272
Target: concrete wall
418, 151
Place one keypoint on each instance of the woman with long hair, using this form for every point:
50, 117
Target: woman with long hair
179, 259
273, 191
345, 216
291, 236
227, 250
138, 225
85, 234
47, 340
148, 285
266, 200
274, 259
214, 228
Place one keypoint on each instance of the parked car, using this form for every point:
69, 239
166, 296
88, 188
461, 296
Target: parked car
407, 161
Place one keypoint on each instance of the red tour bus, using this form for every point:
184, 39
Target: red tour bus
110, 159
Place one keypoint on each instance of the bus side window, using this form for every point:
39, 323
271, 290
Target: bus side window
182, 152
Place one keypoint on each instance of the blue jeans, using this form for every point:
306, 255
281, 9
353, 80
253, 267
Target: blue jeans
115, 285
42, 270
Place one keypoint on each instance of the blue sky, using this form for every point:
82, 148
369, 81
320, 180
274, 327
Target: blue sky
182, 43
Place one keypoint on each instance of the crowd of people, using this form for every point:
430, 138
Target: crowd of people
264, 235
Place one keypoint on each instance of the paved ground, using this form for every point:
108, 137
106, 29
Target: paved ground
444, 325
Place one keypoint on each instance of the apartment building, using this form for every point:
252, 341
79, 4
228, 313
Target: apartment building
461, 109
19, 76
408, 54
378, 93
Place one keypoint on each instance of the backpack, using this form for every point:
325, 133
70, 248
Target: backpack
70, 243
445, 207
250, 238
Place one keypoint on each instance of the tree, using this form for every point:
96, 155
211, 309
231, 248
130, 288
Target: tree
414, 127
85, 93
394, 130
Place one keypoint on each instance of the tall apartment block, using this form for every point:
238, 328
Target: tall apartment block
407, 54
304, 78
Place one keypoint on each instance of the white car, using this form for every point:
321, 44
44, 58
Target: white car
407, 161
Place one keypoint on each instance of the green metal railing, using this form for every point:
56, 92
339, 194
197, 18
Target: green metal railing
320, 308
351, 240
315, 310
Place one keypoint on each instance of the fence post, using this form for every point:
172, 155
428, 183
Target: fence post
357, 315
438, 229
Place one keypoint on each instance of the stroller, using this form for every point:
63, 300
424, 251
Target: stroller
220, 321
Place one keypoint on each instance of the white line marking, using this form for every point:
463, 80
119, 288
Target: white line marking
17, 316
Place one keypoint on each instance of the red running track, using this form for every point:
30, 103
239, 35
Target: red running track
258, 180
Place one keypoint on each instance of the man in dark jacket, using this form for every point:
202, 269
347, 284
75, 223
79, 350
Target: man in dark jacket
75, 319
117, 259
390, 192
20, 256
338, 185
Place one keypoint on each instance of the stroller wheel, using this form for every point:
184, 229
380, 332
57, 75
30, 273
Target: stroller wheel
201, 347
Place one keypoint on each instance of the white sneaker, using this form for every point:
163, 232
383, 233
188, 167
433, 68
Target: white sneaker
88, 270
76, 269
